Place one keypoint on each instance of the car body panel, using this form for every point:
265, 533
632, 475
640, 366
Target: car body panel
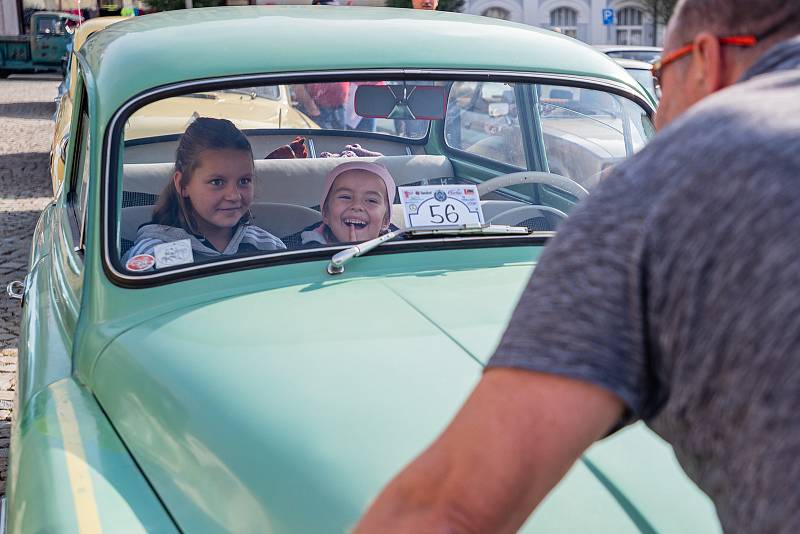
298, 377
643, 468
79, 476
326, 418
312, 427
120, 313
50, 312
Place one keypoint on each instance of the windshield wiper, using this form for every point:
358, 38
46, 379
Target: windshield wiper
336, 265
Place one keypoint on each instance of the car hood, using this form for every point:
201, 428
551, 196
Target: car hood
287, 410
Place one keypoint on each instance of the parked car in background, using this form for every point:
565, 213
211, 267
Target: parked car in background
43, 49
637, 52
247, 107
642, 72
279, 390
66, 91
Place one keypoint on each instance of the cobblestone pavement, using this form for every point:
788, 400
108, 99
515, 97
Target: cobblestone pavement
26, 129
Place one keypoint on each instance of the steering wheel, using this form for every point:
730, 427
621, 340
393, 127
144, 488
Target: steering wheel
516, 215
533, 177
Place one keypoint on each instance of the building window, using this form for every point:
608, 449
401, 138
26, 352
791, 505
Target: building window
630, 16
630, 26
497, 13
565, 20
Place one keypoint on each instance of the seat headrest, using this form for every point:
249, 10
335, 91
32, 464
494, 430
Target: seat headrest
294, 181
300, 181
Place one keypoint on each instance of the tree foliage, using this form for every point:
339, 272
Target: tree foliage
167, 5
444, 5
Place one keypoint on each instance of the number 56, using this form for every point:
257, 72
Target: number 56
450, 214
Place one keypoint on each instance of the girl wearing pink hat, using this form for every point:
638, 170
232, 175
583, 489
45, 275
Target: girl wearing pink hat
356, 205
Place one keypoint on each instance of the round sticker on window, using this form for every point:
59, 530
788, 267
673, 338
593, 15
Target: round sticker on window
142, 262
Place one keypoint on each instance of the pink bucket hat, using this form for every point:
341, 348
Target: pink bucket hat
374, 168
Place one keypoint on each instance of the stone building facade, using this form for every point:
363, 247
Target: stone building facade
582, 19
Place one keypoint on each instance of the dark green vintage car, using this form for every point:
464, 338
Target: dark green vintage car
45, 48
250, 368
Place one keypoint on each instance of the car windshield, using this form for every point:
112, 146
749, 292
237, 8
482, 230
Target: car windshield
283, 169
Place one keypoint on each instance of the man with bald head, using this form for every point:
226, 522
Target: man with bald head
671, 295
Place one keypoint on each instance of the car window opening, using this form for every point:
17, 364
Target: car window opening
213, 175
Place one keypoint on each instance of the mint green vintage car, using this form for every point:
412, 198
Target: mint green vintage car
192, 387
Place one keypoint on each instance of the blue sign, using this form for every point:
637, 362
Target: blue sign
608, 17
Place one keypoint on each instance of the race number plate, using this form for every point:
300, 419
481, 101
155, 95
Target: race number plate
440, 205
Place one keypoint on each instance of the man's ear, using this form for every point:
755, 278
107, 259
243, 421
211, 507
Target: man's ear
176, 181
709, 63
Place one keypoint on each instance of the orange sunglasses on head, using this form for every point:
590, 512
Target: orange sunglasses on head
735, 40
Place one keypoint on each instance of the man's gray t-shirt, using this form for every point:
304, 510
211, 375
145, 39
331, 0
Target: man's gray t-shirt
676, 285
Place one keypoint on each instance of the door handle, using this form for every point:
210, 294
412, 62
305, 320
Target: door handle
16, 290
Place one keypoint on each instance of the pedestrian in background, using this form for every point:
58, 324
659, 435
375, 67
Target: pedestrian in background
670, 296
425, 4
324, 102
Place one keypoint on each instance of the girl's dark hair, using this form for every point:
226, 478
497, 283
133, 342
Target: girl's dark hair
205, 133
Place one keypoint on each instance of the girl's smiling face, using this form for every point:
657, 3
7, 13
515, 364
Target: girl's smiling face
356, 208
220, 189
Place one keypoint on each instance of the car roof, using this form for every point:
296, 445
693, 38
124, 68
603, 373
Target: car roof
169, 47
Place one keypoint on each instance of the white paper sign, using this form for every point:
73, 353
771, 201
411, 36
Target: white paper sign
440, 205
173, 253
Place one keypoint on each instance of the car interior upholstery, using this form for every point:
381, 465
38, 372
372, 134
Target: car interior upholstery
287, 192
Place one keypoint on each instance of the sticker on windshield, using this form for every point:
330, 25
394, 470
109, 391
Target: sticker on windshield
173, 253
141, 262
437, 205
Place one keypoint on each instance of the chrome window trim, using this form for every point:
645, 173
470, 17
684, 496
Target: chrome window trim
83, 202
589, 82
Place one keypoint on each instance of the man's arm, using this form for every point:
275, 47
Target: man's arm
516, 436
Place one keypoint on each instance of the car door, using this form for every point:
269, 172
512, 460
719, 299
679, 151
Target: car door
70, 217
